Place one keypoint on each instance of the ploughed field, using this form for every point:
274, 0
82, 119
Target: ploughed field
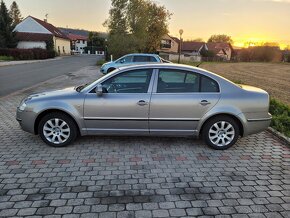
272, 77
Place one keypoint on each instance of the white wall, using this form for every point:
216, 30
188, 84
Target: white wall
80, 45
27, 44
31, 26
192, 58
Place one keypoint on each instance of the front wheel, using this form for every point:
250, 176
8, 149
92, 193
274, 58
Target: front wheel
221, 132
57, 129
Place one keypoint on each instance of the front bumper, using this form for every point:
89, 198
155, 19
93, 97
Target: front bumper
26, 120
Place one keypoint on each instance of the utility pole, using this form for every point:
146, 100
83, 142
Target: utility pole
180, 43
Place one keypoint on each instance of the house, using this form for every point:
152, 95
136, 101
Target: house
35, 33
78, 43
222, 50
192, 47
191, 50
169, 47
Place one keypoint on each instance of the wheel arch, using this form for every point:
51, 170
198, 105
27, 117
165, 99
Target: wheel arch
48, 111
110, 69
236, 118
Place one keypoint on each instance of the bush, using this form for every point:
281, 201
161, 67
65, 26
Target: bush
28, 54
101, 62
281, 117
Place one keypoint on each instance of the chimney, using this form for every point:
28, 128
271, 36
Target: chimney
45, 20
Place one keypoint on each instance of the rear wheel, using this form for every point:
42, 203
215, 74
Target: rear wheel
57, 129
221, 132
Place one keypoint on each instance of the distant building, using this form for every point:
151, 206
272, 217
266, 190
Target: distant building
222, 50
78, 43
35, 33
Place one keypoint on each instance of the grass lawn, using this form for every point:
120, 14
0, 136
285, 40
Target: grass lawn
6, 58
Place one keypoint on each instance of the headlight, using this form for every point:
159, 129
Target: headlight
22, 106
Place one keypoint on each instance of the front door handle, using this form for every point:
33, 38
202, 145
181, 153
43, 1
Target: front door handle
142, 103
204, 102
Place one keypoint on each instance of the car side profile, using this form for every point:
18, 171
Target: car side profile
149, 100
131, 59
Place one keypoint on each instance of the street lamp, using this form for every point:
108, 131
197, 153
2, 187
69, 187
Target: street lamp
180, 43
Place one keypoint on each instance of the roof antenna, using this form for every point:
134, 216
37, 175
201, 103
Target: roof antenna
199, 64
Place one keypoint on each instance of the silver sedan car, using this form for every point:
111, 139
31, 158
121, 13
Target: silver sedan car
149, 100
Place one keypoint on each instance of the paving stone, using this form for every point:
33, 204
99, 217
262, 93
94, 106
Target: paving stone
160, 213
137, 176
26, 211
143, 214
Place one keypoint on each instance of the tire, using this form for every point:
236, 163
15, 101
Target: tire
57, 129
221, 132
110, 70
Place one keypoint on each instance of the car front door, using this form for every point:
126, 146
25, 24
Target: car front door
179, 100
124, 105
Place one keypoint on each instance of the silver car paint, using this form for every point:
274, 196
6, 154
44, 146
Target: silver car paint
120, 114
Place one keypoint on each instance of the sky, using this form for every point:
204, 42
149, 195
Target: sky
244, 20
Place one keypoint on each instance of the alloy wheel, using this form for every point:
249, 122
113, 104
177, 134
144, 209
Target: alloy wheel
56, 131
221, 133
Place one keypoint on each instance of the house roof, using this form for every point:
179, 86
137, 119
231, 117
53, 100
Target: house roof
191, 46
74, 37
55, 31
23, 36
217, 46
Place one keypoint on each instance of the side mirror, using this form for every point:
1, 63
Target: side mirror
99, 90
122, 61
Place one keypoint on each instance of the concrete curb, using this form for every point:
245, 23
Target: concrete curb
11, 63
279, 135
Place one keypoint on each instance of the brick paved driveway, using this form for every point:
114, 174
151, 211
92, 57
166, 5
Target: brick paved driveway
137, 176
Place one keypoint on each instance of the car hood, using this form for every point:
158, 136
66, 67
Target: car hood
54, 93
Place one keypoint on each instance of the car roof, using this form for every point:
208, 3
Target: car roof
160, 65
143, 54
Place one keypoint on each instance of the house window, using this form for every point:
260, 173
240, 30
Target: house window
63, 49
58, 49
83, 41
165, 43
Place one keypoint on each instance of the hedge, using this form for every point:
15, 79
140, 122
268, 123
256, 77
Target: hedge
27, 54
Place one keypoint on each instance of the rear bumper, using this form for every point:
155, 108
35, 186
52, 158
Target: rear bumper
256, 125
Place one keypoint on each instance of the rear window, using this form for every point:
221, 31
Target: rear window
208, 85
141, 59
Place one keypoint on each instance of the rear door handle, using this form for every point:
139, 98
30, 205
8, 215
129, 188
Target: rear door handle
142, 103
204, 102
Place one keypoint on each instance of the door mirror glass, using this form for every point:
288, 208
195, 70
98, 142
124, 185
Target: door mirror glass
122, 61
99, 90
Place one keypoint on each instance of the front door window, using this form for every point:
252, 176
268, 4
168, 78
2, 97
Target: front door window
136, 81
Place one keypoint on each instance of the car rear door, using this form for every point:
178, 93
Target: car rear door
123, 108
178, 101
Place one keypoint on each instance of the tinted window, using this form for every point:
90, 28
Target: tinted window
153, 59
177, 81
208, 85
126, 59
136, 81
141, 58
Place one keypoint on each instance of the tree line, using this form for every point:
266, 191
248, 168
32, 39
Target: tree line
136, 26
8, 20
